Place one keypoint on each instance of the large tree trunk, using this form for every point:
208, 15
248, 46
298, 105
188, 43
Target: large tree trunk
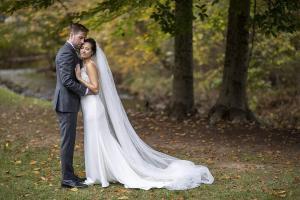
232, 103
183, 90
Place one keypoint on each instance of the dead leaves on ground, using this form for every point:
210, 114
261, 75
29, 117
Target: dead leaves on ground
278, 192
229, 177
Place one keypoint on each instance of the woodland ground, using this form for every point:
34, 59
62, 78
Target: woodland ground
247, 162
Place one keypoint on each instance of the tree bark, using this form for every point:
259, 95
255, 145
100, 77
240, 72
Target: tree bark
183, 90
232, 103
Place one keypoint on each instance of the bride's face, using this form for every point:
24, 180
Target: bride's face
86, 50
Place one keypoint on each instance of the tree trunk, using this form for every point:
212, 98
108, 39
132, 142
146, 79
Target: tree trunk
232, 103
183, 90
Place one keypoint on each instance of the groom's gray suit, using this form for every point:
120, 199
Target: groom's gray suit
66, 103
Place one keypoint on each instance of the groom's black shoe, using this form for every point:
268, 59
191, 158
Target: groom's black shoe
79, 179
72, 184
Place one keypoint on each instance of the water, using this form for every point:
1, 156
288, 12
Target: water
34, 83
29, 82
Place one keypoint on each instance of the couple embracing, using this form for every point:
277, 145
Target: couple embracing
113, 151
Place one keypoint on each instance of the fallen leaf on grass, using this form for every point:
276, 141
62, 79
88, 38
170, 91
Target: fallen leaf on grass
18, 162
74, 189
210, 161
33, 162
279, 192
123, 197
237, 177
122, 190
225, 177
19, 175
81, 173
44, 162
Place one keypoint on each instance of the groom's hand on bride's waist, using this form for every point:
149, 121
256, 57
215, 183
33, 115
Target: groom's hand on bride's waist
89, 92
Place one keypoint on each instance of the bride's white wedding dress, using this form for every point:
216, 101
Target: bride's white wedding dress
115, 153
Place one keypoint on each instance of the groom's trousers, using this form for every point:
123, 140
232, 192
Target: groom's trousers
67, 122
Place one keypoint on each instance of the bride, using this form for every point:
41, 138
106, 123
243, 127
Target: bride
113, 151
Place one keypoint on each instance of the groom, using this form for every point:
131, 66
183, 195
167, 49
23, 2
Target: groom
66, 101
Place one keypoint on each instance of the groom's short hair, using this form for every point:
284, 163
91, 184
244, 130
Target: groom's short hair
76, 27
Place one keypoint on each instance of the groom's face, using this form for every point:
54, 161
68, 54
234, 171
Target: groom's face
77, 39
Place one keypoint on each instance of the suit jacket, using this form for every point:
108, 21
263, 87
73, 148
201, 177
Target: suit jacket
68, 89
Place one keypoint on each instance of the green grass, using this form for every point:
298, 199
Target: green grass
41, 181
11, 99
33, 172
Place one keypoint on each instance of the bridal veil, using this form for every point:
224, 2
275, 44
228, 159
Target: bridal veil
145, 161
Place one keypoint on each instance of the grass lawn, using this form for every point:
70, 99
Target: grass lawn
244, 168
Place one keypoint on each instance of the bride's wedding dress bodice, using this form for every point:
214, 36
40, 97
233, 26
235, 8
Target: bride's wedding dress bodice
84, 74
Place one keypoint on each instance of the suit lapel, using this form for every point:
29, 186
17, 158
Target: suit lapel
69, 46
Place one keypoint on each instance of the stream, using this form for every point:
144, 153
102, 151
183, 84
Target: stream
34, 83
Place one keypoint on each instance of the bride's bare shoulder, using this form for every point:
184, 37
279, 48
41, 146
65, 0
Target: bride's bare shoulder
92, 69
92, 65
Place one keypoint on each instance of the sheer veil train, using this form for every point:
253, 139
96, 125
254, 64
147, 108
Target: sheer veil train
145, 161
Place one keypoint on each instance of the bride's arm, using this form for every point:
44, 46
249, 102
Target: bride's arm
92, 72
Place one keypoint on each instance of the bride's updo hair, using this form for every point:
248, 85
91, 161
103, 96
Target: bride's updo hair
92, 43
